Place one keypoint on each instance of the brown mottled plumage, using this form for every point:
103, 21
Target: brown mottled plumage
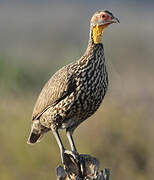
76, 91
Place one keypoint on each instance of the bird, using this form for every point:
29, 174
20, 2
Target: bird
76, 91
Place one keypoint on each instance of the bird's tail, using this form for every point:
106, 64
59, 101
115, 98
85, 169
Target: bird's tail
36, 133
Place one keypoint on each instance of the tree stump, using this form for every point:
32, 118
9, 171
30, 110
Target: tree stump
86, 168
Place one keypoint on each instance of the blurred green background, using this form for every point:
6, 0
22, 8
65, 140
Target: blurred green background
39, 37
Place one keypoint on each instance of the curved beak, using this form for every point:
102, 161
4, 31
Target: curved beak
115, 20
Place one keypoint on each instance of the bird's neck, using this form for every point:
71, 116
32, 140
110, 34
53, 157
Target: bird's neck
94, 53
95, 35
91, 39
95, 47
95, 38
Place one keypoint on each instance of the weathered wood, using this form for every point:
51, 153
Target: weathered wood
86, 168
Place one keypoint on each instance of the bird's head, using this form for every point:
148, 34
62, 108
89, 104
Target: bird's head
99, 22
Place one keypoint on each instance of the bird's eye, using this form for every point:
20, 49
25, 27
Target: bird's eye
103, 16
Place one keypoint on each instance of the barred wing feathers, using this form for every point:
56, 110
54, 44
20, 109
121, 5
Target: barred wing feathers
61, 84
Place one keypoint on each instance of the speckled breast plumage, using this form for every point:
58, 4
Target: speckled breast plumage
89, 80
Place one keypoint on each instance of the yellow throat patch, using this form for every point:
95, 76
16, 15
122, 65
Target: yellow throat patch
97, 33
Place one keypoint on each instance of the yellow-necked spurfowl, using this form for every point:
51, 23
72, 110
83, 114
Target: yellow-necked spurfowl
76, 91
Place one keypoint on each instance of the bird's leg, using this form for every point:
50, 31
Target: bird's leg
74, 152
71, 141
60, 144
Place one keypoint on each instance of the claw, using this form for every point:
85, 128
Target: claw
72, 155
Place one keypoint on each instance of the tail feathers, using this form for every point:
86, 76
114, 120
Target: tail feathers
33, 138
35, 133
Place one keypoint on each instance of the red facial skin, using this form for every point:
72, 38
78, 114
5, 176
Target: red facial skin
105, 17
